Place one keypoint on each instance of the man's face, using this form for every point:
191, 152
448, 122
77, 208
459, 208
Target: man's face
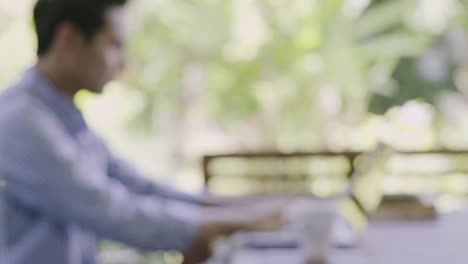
101, 59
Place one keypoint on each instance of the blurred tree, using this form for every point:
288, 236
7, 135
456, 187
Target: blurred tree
290, 69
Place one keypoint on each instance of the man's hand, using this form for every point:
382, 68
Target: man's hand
264, 215
271, 222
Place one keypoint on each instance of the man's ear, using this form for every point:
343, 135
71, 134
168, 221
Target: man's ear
67, 38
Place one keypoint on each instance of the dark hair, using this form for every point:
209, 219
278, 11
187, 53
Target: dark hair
86, 15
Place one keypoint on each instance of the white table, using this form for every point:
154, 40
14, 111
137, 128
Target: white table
431, 242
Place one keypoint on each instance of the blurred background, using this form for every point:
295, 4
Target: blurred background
227, 76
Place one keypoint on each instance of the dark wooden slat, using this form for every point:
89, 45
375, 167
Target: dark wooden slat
350, 156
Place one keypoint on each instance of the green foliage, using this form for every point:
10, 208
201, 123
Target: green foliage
272, 58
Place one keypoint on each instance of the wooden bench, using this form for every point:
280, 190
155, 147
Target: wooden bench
281, 174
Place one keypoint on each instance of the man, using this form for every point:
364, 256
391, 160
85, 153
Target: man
63, 188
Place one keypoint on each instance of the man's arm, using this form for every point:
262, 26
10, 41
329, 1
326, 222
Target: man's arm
47, 172
220, 216
125, 173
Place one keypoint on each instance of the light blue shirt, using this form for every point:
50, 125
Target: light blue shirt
64, 190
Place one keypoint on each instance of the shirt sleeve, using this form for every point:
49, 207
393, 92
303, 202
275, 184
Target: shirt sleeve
126, 174
47, 172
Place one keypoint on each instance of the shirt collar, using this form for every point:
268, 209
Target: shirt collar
63, 107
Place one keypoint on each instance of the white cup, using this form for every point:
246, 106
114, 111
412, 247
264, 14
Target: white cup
313, 219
